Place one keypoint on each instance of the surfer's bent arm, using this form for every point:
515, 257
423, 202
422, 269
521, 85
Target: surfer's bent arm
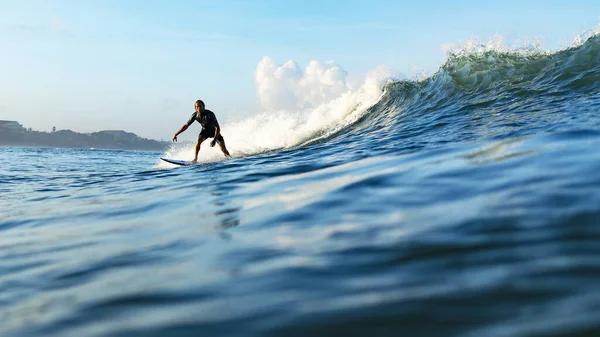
217, 133
217, 130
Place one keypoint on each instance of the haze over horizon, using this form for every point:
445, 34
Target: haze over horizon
139, 65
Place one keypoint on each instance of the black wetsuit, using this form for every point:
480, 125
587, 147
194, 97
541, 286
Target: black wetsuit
209, 123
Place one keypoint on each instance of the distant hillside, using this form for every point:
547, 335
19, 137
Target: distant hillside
13, 134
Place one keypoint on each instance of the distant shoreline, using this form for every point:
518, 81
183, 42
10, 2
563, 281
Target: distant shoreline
12, 134
3, 146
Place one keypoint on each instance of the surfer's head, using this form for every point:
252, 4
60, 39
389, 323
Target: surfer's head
199, 106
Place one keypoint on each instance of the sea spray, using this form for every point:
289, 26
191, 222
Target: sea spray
272, 130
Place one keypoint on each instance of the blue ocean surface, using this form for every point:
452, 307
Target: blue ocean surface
463, 204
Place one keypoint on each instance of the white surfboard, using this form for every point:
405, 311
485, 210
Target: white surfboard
178, 162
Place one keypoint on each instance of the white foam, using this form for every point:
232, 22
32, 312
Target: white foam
526, 47
299, 106
496, 43
289, 87
580, 38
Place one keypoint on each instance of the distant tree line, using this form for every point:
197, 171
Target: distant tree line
69, 139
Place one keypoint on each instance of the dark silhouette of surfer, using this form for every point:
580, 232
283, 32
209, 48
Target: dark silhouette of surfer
210, 129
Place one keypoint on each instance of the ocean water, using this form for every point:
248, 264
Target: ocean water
463, 204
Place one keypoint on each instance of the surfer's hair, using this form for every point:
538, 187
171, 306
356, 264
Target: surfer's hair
200, 103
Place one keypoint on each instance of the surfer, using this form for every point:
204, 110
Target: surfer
210, 128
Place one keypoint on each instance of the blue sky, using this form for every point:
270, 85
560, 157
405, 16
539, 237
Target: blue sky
139, 65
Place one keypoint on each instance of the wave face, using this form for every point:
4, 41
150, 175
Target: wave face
487, 95
463, 204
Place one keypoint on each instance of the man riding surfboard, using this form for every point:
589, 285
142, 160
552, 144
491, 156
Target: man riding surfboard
210, 129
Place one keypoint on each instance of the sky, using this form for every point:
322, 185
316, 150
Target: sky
139, 65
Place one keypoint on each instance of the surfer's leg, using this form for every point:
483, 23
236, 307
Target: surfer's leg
221, 142
200, 140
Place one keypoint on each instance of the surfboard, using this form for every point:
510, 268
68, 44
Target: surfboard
177, 162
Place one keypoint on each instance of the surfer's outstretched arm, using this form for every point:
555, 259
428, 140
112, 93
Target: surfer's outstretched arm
183, 128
